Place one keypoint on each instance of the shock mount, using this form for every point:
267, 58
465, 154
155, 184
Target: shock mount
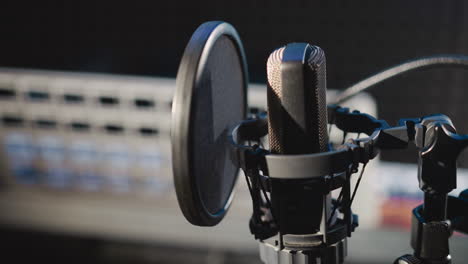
433, 222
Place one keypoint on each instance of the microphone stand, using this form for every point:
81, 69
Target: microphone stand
434, 221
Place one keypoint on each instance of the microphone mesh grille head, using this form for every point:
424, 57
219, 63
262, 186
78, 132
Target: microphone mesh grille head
274, 87
297, 109
318, 63
274, 70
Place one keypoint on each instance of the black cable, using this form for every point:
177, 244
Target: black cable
357, 184
344, 137
248, 184
265, 195
459, 61
340, 197
255, 202
259, 181
335, 206
251, 190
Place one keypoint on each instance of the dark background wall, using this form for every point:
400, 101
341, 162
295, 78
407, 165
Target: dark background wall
359, 38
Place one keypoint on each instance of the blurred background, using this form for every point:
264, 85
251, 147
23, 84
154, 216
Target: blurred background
86, 88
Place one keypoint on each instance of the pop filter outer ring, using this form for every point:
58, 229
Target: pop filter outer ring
189, 82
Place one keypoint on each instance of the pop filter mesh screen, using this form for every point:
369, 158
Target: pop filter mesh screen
219, 104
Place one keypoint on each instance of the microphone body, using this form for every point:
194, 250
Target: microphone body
297, 120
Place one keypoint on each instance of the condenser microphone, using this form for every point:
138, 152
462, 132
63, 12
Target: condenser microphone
297, 118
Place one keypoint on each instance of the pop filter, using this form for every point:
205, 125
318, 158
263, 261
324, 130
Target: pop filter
210, 99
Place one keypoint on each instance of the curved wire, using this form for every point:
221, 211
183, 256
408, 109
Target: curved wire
357, 183
460, 61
